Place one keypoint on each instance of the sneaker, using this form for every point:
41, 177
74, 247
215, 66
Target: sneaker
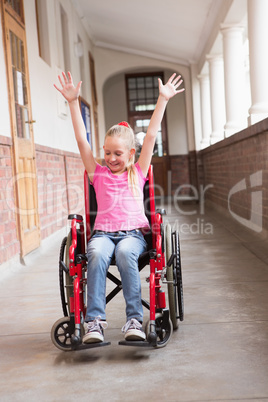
94, 331
133, 331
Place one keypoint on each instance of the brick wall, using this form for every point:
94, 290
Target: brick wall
9, 244
60, 191
237, 168
60, 187
193, 169
75, 185
180, 173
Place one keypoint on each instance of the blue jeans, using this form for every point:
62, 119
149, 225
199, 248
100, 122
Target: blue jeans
127, 247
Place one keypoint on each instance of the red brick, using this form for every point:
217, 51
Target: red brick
235, 159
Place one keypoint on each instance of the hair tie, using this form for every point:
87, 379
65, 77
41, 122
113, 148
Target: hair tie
123, 123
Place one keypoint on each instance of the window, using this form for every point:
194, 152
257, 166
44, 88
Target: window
42, 29
142, 94
17, 6
19, 85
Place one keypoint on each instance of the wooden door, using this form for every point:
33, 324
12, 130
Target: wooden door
25, 180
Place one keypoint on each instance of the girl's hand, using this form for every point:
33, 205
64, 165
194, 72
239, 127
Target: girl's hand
170, 89
68, 90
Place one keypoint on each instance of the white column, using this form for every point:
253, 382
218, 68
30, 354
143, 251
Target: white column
234, 79
258, 59
217, 100
205, 110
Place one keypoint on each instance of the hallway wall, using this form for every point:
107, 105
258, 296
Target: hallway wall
9, 243
60, 187
237, 171
60, 192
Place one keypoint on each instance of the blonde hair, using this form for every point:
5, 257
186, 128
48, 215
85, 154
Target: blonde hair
125, 132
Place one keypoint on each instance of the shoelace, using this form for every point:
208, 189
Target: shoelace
132, 323
96, 324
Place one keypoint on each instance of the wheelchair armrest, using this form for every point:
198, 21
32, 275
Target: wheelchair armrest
161, 211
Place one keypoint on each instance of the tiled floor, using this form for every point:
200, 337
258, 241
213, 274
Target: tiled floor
219, 352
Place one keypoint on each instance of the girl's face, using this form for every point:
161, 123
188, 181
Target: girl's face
116, 154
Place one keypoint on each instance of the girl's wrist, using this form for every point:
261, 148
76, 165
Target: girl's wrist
162, 97
73, 101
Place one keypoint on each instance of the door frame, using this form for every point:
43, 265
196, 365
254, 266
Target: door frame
24, 182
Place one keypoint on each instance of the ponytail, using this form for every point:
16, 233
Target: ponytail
124, 131
132, 177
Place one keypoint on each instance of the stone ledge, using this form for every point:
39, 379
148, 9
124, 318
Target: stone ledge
251, 131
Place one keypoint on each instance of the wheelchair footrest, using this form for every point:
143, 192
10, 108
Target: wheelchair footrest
144, 344
83, 346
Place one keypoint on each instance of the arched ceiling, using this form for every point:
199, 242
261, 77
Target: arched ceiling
173, 30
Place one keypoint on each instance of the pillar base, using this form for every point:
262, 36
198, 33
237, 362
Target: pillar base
256, 117
257, 112
233, 128
205, 143
216, 136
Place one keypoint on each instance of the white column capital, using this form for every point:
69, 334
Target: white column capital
213, 58
232, 28
203, 77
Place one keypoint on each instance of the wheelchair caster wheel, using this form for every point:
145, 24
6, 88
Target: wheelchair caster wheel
152, 338
61, 334
163, 331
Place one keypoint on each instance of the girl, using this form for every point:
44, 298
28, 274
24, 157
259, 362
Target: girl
120, 218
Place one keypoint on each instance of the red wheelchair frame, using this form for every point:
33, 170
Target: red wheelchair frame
67, 332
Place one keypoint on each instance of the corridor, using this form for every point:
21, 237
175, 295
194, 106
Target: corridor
219, 352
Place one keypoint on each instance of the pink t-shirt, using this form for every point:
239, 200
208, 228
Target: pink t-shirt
118, 209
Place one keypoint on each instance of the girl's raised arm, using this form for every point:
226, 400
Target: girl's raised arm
71, 94
166, 92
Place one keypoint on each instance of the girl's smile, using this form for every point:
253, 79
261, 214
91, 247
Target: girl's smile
116, 154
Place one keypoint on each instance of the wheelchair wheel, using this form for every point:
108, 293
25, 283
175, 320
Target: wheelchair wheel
179, 276
61, 333
172, 296
65, 280
174, 276
163, 331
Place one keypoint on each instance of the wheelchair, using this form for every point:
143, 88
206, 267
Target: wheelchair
162, 256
